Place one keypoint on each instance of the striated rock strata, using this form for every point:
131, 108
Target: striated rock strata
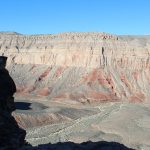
83, 67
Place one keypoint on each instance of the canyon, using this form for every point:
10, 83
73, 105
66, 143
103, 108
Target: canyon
79, 66
81, 86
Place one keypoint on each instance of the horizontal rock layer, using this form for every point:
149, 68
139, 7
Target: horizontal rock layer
84, 67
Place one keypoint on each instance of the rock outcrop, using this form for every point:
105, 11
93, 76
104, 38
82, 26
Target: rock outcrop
12, 137
85, 67
82, 146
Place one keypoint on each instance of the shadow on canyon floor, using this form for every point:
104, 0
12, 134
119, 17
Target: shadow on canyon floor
101, 145
22, 105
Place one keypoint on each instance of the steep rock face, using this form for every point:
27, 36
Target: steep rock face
85, 67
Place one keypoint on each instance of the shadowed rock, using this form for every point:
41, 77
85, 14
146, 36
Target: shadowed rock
11, 135
103, 145
22, 105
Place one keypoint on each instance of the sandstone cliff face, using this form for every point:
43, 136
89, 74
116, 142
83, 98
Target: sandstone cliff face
85, 67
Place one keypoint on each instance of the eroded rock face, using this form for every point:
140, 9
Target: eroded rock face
85, 67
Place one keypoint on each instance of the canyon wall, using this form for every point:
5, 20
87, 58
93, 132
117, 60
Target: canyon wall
83, 67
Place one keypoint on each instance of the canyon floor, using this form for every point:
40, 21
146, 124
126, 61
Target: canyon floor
81, 87
124, 123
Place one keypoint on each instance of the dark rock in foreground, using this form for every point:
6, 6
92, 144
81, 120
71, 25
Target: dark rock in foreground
82, 146
11, 135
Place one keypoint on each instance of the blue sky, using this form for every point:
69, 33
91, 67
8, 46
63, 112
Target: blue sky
54, 16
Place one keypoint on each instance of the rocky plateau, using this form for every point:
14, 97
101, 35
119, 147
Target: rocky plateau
81, 86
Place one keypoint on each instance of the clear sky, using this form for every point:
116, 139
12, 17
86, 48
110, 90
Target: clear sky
54, 16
